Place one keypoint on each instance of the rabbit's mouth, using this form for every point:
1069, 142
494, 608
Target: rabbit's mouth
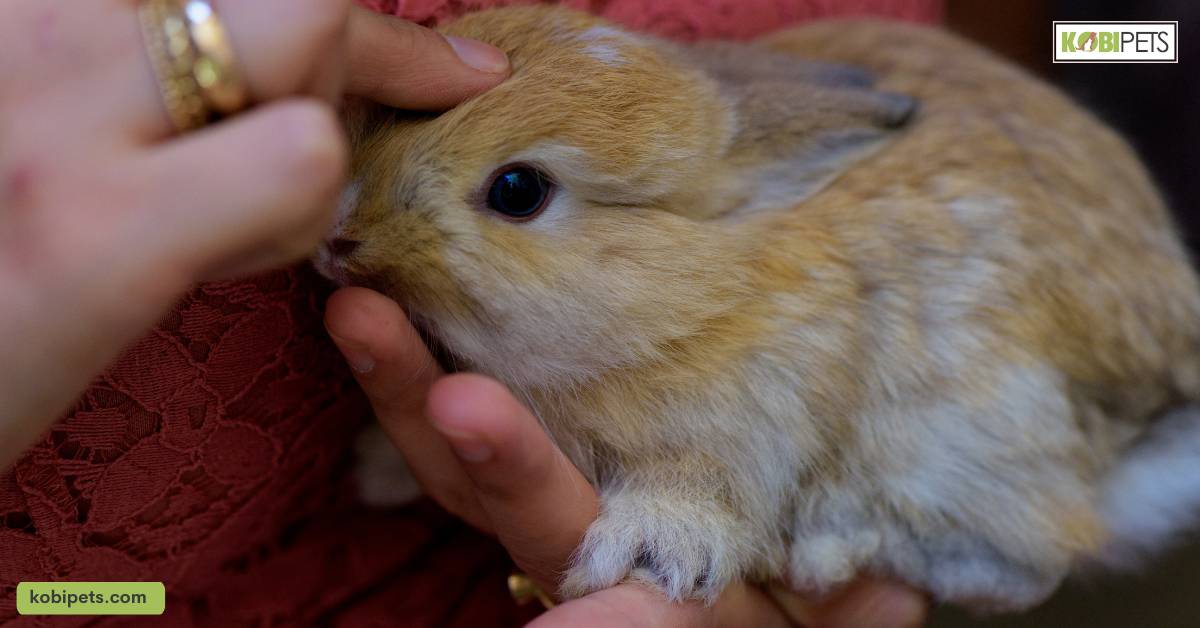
330, 259
447, 359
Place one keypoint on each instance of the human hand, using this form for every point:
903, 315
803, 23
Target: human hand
482, 456
105, 218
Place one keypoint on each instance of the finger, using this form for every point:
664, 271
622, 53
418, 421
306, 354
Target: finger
404, 65
875, 604
395, 369
253, 193
741, 605
865, 604
288, 47
283, 48
627, 606
538, 502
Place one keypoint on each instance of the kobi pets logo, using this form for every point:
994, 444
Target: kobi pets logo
1116, 42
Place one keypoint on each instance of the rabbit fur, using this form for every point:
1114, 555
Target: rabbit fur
796, 325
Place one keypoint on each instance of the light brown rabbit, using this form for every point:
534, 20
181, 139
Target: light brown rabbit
791, 329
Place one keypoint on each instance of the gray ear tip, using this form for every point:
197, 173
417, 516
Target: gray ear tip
898, 110
845, 76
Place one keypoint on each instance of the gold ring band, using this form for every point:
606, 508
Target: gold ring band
215, 69
524, 590
172, 55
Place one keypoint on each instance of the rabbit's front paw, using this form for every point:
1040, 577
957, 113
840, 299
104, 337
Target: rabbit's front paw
688, 550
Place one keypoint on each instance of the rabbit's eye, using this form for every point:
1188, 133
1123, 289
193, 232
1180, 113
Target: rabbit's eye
519, 192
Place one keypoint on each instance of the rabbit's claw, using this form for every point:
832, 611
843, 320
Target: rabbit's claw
689, 551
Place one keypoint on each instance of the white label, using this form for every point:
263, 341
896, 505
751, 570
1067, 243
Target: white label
1116, 42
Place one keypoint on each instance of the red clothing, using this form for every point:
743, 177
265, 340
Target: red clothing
214, 455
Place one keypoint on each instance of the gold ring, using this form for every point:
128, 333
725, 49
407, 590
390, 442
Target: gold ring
172, 55
523, 590
215, 69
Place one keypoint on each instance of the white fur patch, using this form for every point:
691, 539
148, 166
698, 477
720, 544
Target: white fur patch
603, 44
1153, 495
605, 53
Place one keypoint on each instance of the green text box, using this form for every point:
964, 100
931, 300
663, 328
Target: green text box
91, 598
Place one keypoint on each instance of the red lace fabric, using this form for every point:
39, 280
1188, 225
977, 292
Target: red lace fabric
214, 455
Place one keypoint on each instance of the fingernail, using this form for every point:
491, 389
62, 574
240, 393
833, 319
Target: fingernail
481, 56
356, 355
468, 447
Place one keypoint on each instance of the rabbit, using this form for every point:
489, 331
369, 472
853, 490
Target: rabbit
855, 297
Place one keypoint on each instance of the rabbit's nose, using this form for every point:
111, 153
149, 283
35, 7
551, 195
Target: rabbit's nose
341, 247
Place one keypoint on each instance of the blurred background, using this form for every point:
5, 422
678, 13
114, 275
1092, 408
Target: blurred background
1157, 107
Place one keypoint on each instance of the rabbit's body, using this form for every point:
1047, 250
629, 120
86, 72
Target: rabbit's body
928, 368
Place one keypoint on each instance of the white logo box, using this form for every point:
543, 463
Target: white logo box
1138, 42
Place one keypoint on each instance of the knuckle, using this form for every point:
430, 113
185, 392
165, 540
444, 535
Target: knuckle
408, 40
313, 146
323, 20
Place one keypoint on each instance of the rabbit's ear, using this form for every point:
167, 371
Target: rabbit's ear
793, 139
798, 123
736, 63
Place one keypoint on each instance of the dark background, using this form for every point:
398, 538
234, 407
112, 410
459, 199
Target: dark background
1157, 107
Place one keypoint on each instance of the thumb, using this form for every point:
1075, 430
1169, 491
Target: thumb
537, 501
628, 606
401, 64
867, 603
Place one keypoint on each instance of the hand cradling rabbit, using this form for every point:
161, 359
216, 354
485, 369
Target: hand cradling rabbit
794, 324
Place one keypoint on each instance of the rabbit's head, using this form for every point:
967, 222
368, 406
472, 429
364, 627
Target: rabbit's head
578, 217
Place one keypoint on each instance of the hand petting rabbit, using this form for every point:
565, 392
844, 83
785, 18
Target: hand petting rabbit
794, 324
